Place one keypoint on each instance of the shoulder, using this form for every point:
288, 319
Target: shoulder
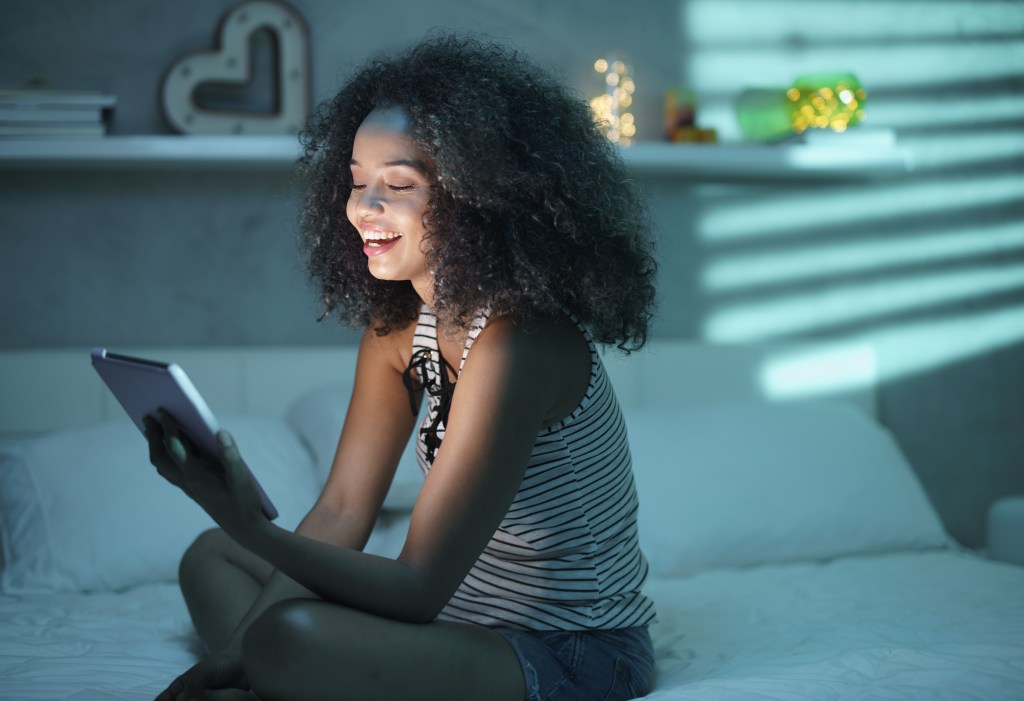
550, 359
393, 350
552, 339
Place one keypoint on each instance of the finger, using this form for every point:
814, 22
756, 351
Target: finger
234, 473
176, 442
158, 456
167, 422
153, 429
176, 449
228, 448
172, 444
154, 438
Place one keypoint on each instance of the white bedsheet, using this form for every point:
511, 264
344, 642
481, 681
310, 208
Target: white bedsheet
923, 626
927, 626
87, 647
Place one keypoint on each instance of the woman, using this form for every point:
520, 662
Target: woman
467, 214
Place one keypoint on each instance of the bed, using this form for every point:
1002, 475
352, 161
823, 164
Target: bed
793, 553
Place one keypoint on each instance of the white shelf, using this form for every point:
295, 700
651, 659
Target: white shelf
150, 152
767, 162
695, 162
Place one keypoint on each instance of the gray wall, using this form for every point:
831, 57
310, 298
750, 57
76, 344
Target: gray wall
926, 269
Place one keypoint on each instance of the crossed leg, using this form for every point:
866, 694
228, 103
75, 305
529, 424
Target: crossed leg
312, 649
220, 581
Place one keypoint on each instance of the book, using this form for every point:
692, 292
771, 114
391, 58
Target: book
50, 113
55, 99
35, 115
49, 130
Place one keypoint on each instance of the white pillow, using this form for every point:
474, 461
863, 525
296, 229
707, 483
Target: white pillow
746, 484
83, 510
318, 416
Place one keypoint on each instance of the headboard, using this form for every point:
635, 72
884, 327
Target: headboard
49, 389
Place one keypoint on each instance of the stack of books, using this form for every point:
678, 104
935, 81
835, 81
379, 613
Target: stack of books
46, 113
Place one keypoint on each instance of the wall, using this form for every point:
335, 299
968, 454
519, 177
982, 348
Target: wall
926, 269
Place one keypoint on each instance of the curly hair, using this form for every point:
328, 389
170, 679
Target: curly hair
534, 213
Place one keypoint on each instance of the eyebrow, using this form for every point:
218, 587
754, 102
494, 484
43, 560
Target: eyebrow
417, 165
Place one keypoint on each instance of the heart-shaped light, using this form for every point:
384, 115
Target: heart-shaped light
231, 63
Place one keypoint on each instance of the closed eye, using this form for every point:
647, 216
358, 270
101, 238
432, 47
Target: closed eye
393, 188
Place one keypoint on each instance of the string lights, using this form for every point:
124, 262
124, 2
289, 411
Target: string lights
829, 101
834, 101
611, 107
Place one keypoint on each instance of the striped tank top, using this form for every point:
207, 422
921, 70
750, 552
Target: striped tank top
566, 556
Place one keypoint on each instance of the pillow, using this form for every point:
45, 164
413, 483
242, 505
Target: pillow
317, 416
83, 510
747, 484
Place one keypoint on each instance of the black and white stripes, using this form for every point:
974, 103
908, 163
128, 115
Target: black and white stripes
566, 556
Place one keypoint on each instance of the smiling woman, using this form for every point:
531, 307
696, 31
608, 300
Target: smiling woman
469, 217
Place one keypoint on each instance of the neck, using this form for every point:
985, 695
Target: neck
425, 290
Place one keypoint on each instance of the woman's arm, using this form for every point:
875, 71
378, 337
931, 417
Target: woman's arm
378, 423
507, 388
368, 453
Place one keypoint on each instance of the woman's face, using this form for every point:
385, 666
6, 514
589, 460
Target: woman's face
391, 188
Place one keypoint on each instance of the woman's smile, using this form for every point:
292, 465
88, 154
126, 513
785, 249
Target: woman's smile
377, 242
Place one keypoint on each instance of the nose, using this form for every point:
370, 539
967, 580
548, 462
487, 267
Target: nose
369, 200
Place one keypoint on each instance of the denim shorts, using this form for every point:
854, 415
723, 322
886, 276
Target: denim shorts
584, 665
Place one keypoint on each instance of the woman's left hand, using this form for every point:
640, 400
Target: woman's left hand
222, 486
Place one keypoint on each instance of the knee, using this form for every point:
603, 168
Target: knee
209, 545
283, 626
276, 642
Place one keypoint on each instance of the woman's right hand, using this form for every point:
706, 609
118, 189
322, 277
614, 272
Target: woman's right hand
220, 670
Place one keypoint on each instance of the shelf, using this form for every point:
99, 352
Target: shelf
767, 162
150, 152
694, 162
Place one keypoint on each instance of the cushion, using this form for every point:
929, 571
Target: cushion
317, 416
746, 484
83, 510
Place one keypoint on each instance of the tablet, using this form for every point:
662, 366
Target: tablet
142, 387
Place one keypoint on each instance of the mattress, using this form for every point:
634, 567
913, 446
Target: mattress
878, 627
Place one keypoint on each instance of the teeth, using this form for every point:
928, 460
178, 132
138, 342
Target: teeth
381, 235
